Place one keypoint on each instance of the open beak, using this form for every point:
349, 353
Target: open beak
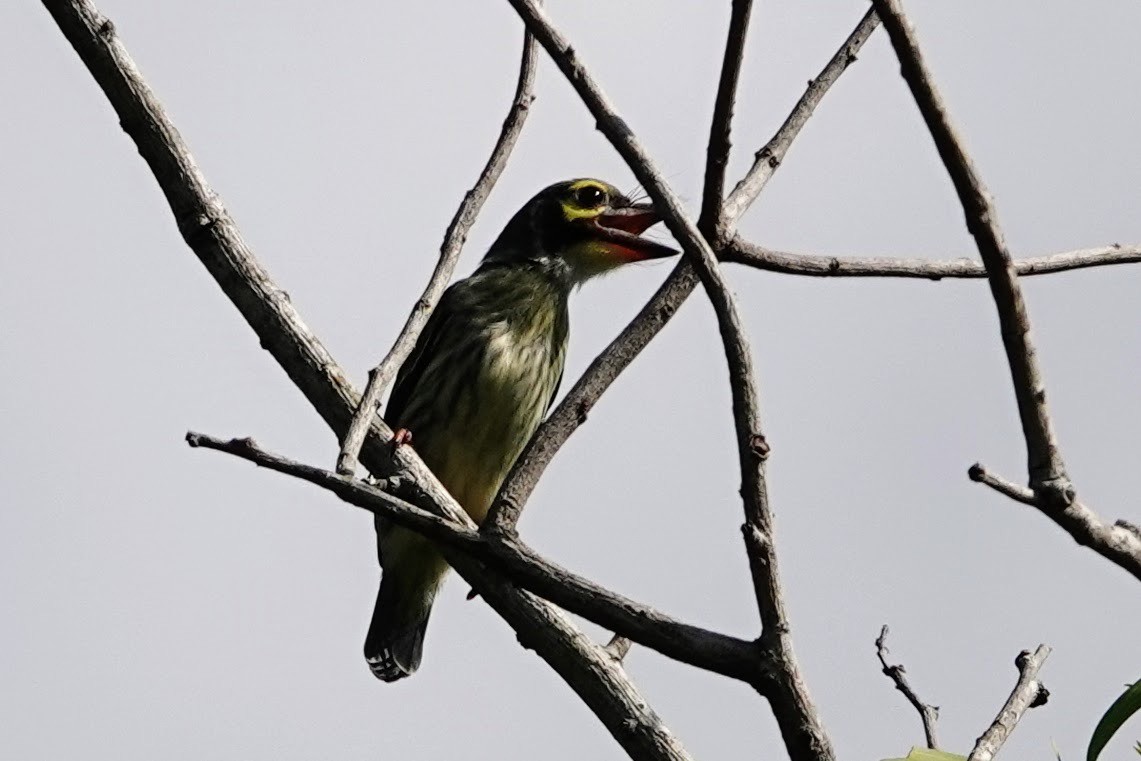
621, 230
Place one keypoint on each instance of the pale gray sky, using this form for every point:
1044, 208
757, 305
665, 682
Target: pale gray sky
166, 603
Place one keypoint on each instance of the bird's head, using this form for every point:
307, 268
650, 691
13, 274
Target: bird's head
583, 227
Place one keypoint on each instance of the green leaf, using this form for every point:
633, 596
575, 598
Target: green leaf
926, 754
1125, 706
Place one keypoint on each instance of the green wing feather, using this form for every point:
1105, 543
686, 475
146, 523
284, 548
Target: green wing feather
413, 368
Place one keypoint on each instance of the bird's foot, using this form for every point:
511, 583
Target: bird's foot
401, 437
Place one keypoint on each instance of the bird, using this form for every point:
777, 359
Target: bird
482, 376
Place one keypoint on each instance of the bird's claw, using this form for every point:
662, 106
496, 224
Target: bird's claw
401, 437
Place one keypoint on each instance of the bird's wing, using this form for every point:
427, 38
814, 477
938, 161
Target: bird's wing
413, 368
554, 391
411, 372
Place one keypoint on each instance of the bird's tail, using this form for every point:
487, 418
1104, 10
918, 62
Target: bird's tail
395, 641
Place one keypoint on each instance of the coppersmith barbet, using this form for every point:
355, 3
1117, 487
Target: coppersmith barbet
482, 376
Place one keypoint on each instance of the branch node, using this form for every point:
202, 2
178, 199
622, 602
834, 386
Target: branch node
582, 411
1132, 528
195, 225
1056, 493
759, 446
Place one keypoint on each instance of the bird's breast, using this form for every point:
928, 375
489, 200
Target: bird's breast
499, 404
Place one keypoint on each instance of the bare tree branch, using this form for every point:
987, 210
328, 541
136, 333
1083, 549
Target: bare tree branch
454, 240
743, 252
717, 155
572, 411
1028, 693
721, 654
212, 235
1115, 542
1054, 495
1045, 465
928, 714
772, 154
800, 724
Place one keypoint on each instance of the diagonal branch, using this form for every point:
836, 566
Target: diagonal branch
210, 232
800, 724
738, 353
520, 564
769, 157
572, 411
1045, 463
741, 251
1028, 693
928, 714
454, 239
717, 155
1054, 495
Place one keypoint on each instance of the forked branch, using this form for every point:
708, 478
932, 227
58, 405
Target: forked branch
1116, 542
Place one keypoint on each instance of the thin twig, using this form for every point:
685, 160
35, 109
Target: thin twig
769, 157
1023, 494
928, 714
712, 651
717, 155
572, 411
1044, 459
454, 238
796, 715
813, 265
208, 230
1028, 693
1054, 495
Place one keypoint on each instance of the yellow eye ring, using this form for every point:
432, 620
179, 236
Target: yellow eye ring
589, 196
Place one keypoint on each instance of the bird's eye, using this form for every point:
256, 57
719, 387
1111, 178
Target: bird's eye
589, 196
